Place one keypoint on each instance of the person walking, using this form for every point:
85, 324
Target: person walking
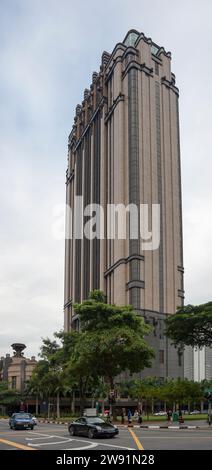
180, 417
169, 415
122, 416
140, 417
129, 416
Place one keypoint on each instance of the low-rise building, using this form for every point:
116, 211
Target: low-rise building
17, 369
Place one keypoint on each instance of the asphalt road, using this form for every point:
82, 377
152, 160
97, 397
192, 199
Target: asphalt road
53, 436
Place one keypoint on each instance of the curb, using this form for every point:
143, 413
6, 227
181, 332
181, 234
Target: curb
170, 427
46, 421
131, 426
160, 427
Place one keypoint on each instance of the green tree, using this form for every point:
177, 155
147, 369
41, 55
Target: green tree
180, 391
191, 326
112, 338
148, 390
77, 362
53, 380
37, 385
8, 396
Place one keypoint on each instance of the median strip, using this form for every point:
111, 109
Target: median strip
136, 440
15, 444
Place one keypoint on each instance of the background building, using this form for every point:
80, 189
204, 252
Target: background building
17, 370
124, 148
198, 364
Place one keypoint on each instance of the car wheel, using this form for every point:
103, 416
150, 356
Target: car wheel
72, 431
31, 427
91, 433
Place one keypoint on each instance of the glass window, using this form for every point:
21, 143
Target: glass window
131, 39
23, 416
180, 358
156, 68
161, 356
154, 49
95, 420
14, 382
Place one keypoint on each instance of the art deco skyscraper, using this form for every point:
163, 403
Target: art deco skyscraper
124, 149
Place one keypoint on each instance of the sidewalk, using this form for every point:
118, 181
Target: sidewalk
188, 424
194, 424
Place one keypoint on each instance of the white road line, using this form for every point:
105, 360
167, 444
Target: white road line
49, 443
77, 440
176, 437
91, 446
36, 438
102, 444
39, 434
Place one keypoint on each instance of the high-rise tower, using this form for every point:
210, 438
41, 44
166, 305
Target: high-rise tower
124, 148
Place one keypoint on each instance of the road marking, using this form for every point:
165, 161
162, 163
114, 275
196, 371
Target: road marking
138, 443
176, 437
77, 440
37, 438
39, 434
102, 444
90, 446
49, 443
10, 433
15, 444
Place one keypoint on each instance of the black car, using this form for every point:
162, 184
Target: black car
92, 427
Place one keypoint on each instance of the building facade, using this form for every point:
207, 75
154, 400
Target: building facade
124, 148
198, 363
16, 370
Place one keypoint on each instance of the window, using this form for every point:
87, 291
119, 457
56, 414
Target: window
156, 68
131, 39
14, 382
180, 355
161, 356
154, 49
161, 334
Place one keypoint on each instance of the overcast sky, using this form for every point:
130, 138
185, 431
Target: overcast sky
48, 51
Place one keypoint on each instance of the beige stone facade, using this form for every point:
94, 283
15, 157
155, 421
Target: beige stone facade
125, 148
16, 369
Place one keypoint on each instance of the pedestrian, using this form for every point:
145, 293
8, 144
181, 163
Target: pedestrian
169, 415
129, 416
180, 417
140, 417
122, 416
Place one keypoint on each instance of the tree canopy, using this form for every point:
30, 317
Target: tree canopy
8, 396
191, 326
110, 341
112, 338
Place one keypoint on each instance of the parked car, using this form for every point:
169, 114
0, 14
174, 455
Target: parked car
195, 412
21, 421
92, 426
160, 413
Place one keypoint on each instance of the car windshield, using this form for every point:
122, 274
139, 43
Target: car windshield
22, 416
95, 420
